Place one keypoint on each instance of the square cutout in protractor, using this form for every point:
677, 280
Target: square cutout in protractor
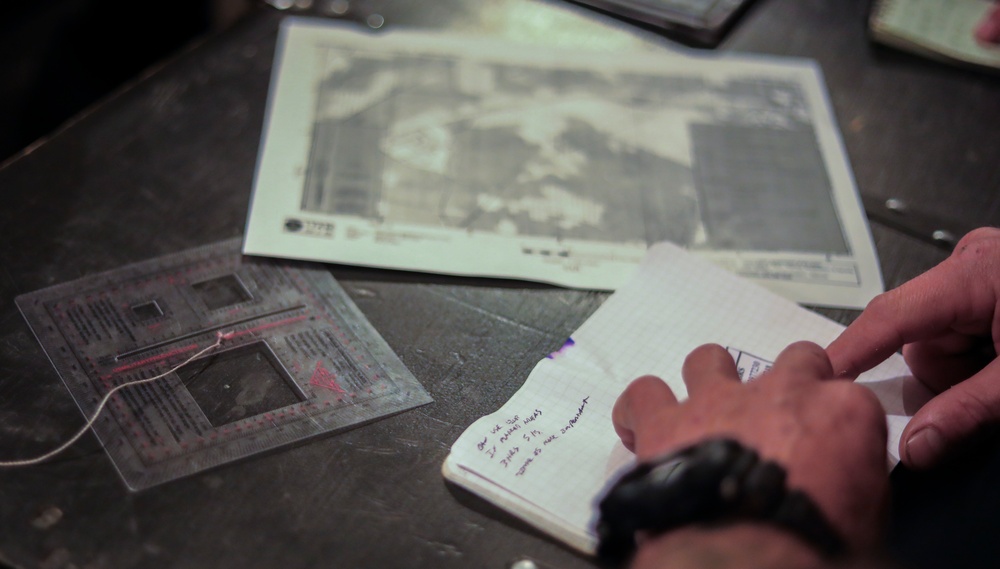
233, 385
298, 360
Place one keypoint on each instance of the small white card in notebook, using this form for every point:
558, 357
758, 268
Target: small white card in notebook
548, 452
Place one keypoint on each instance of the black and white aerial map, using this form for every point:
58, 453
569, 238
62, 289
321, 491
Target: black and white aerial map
423, 152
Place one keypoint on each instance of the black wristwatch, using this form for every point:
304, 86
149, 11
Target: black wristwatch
715, 481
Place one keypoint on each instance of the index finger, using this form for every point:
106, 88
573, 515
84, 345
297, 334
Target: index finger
958, 291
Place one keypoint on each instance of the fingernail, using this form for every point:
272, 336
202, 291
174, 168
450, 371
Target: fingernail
924, 448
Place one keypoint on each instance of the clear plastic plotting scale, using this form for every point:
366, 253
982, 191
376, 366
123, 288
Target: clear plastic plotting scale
299, 358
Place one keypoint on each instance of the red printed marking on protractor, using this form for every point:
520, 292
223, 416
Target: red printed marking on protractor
146, 361
322, 377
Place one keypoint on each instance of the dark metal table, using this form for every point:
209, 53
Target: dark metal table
167, 163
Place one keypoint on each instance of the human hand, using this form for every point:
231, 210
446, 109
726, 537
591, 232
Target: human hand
829, 436
988, 30
947, 321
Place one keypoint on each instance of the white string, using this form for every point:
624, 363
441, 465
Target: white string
107, 397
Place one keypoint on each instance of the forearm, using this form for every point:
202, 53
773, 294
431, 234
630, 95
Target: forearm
736, 546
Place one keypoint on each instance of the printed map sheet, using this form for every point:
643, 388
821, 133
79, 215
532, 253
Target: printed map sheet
430, 152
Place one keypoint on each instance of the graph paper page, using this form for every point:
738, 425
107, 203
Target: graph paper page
547, 454
942, 30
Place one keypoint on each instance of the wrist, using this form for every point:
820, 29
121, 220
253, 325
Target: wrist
737, 545
744, 545
709, 484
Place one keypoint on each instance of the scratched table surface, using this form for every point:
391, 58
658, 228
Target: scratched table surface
167, 163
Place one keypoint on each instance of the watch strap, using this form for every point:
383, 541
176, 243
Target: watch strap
714, 481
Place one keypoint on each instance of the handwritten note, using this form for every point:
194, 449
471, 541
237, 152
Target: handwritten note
507, 440
547, 454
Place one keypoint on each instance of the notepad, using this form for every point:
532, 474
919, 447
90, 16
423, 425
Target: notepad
942, 30
548, 452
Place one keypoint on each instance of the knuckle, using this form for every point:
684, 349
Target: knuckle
704, 351
804, 357
978, 234
707, 349
978, 244
858, 406
808, 347
883, 304
640, 386
811, 350
642, 381
970, 410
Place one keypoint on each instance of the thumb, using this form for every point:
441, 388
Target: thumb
951, 418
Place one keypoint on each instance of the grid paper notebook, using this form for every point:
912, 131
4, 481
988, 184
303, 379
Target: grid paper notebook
938, 30
546, 455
